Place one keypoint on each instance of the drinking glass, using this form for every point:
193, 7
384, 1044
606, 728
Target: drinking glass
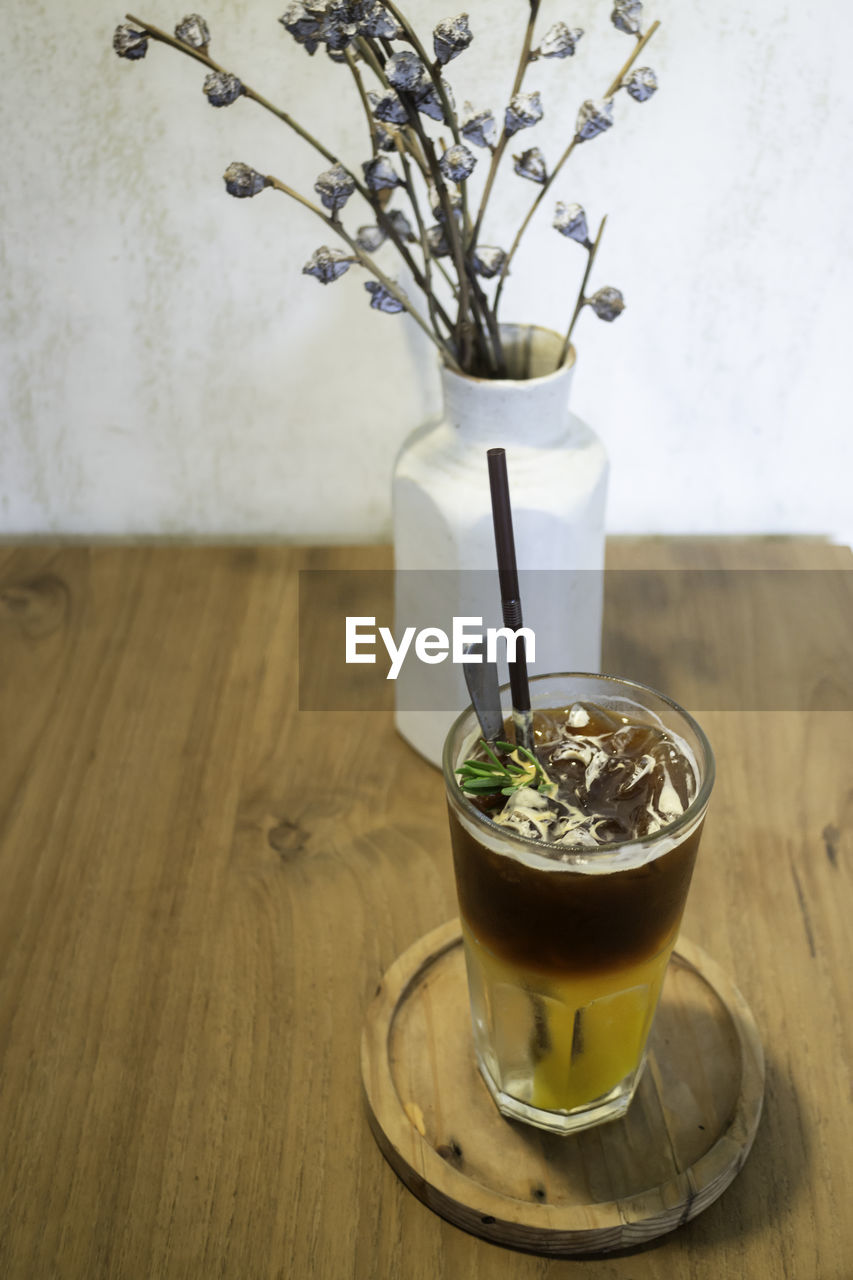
566, 949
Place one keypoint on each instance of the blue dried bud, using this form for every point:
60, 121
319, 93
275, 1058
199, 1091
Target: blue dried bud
428, 101
524, 110
387, 106
242, 181
531, 164
436, 238
559, 42
305, 27
488, 260
641, 84
457, 163
627, 16
607, 303
382, 300
380, 24
385, 138
130, 43
478, 126
221, 89
193, 30
594, 118
451, 37
327, 264
570, 220
405, 71
379, 175
370, 238
401, 224
334, 187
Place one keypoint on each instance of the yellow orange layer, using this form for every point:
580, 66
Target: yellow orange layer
593, 1027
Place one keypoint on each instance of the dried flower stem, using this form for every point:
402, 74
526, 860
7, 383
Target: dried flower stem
436, 310
609, 92
359, 84
461, 327
423, 280
367, 261
163, 36
155, 33
410, 141
438, 81
497, 153
592, 250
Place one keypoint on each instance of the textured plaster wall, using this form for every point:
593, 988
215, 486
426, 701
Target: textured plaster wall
166, 369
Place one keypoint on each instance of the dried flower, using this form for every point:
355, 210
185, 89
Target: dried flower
429, 103
130, 43
559, 41
370, 238
242, 181
382, 300
327, 264
524, 110
478, 126
405, 71
401, 224
411, 81
594, 118
306, 28
570, 220
607, 303
384, 137
380, 24
193, 30
641, 84
627, 16
451, 37
457, 163
488, 260
221, 88
340, 23
436, 237
531, 164
379, 175
387, 107
334, 187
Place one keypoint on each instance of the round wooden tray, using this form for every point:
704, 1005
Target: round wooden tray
685, 1137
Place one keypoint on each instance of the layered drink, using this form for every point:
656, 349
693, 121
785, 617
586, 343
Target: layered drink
572, 879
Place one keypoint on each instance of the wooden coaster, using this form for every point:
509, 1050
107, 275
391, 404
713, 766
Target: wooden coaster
685, 1137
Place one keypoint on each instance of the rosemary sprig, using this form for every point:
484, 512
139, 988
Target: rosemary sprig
495, 777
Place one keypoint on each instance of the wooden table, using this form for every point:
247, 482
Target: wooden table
200, 886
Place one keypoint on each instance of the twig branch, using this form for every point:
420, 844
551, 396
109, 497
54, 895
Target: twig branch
592, 250
366, 261
497, 154
543, 190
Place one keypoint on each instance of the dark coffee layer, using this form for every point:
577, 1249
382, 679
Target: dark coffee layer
569, 921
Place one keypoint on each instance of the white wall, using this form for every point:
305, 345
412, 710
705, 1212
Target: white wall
167, 369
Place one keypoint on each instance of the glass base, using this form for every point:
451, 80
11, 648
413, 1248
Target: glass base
611, 1106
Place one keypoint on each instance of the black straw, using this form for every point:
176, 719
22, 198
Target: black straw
510, 596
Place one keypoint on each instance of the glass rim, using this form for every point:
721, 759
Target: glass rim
611, 848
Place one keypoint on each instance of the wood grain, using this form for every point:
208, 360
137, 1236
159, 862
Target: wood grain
200, 887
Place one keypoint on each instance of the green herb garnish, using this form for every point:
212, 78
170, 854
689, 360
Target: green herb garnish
495, 777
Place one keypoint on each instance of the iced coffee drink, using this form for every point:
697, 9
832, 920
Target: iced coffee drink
572, 878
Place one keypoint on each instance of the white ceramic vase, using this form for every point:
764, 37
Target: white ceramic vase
557, 470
